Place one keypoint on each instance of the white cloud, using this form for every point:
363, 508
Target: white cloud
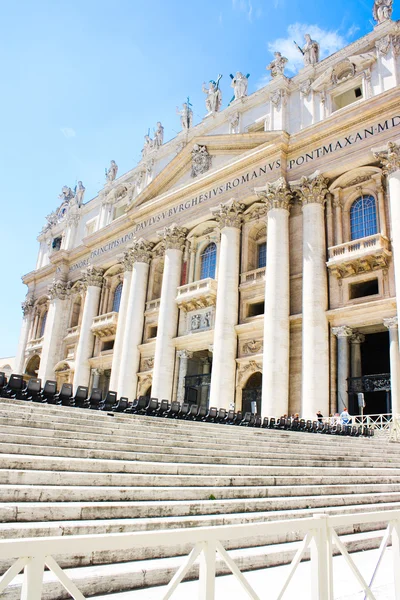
68, 132
244, 6
352, 30
329, 41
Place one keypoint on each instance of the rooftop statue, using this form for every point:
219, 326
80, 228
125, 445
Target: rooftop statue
79, 193
186, 115
310, 51
382, 10
148, 145
214, 96
66, 194
112, 171
239, 84
158, 136
277, 66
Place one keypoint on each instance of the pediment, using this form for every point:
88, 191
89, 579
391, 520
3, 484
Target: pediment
343, 70
222, 150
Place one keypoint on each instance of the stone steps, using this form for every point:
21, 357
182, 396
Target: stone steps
109, 578
67, 471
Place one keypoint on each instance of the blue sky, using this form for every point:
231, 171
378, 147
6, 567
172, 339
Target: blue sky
82, 81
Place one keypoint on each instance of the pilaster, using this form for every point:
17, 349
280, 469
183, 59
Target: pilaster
393, 325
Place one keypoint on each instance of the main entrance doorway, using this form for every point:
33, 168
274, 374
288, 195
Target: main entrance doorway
198, 378
374, 382
251, 394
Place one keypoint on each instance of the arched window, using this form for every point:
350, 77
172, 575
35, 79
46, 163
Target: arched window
208, 261
117, 298
363, 217
43, 324
262, 255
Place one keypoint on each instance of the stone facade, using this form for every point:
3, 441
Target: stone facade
263, 261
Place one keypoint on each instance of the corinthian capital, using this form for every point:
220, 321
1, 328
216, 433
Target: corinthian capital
229, 214
127, 261
275, 195
58, 289
28, 306
173, 236
390, 159
391, 322
141, 251
312, 190
93, 276
342, 331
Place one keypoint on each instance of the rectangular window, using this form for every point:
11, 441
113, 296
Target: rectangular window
262, 255
107, 346
346, 98
152, 332
365, 288
257, 308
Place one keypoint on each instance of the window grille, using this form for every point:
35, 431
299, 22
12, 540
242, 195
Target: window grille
363, 220
117, 298
208, 261
262, 255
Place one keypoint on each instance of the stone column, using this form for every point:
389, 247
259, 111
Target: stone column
337, 204
28, 312
275, 385
382, 214
222, 392
93, 280
204, 390
393, 326
343, 333
164, 358
391, 167
133, 329
356, 340
184, 356
53, 333
127, 261
315, 344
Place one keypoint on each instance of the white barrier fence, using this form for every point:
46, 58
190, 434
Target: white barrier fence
320, 537
379, 422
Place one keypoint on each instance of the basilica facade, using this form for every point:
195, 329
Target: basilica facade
253, 261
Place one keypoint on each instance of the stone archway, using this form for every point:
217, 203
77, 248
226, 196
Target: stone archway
251, 392
245, 371
63, 373
32, 366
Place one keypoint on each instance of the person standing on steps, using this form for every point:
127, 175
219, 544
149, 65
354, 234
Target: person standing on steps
345, 417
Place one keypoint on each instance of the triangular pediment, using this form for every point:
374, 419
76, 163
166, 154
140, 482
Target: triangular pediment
223, 150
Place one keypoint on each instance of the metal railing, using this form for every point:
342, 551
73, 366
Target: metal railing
320, 537
369, 383
381, 422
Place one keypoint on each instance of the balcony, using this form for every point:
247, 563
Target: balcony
153, 305
359, 256
35, 345
105, 325
198, 294
252, 277
73, 333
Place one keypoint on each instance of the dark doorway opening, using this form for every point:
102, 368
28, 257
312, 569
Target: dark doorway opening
252, 393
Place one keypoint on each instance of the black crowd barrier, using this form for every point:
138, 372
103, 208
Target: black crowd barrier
17, 388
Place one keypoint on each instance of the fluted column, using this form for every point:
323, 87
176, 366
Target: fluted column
127, 262
93, 280
275, 384
164, 358
222, 392
52, 341
140, 253
28, 312
315, 344
393, 326
184, 356
342, 333
391, 167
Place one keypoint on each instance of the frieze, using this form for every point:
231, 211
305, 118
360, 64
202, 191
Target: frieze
371, 131
252, 347
200, 321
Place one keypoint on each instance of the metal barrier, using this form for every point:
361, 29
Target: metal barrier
33, 554
381, 422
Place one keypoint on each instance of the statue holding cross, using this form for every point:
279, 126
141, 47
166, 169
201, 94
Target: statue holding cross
186, 115
214, 96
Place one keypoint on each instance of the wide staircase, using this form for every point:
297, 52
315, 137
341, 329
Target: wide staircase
69, 471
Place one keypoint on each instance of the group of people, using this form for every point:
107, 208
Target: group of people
337, 419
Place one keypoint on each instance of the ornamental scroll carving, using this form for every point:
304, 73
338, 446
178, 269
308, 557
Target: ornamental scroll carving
28, 306
312, 190
173, 237
246, 370
252, 347
93, 276
276, 195
140, 251
147, 363
390, 158
229, 214
58, 289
